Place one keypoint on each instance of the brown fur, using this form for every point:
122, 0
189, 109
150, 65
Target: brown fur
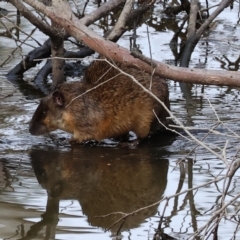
110, 110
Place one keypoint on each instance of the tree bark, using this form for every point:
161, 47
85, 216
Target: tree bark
119, 54
28, 62
58, 63
122, 20
57, 50
101, 12
193, 40
47, 68
32, 18
44, 51
193, 18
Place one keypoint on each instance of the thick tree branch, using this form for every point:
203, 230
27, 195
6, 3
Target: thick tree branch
101, 12
218, 10
130, 21
28, 62
44, 51
121, 23
57, 49
190, 75
193, 18
193, 40
47, 29
119, 54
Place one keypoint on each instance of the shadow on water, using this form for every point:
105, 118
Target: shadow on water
28, 90
102, 181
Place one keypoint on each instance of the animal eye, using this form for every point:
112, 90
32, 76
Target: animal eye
44, 112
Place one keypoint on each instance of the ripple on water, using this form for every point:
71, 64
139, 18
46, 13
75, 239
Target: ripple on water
23, 198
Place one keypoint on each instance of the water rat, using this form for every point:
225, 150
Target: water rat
110, 109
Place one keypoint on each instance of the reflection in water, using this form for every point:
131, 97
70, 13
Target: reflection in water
103, 181
106, 180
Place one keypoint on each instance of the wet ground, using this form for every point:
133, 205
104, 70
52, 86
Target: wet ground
51, 190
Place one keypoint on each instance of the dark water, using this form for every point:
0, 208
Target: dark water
51, 190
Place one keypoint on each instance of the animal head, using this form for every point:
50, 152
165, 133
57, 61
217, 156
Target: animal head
48, 115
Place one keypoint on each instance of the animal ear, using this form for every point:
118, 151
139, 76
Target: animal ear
58, 98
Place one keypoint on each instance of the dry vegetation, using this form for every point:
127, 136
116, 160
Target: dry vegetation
67, 23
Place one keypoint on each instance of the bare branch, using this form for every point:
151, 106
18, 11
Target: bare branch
119, 54
121, 23
216, 12
100, 12
32, 18
193, 18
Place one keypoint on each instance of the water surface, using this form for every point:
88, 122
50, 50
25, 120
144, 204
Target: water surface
51, 190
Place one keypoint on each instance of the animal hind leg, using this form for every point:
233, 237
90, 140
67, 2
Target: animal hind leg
142, 129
